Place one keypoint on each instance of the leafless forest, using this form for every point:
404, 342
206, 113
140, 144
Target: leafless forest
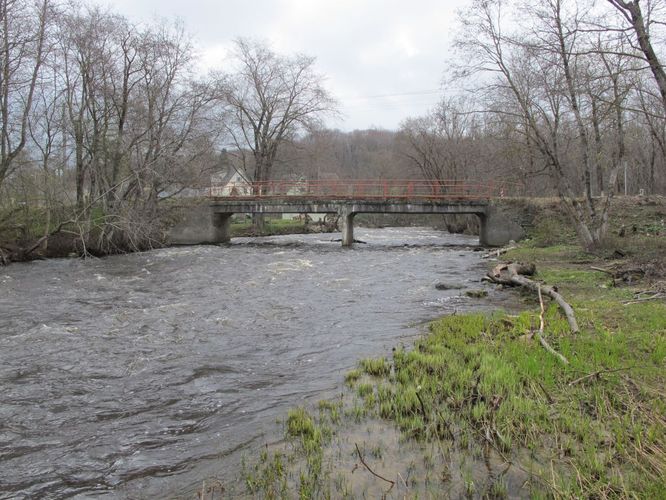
104, 121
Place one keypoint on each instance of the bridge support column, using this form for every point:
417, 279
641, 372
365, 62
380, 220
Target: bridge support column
221, 227
347, 227
483, 231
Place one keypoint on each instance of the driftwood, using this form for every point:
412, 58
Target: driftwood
497, 252
513, 274
372, 471
540, 336
645, 296
626, 275
597, 374
14, 253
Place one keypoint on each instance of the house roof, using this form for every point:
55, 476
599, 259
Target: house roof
225, 176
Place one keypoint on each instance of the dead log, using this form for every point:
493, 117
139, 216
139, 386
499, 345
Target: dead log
602, 270
497, 252
502, 273
513, 274
540, 333
24, 253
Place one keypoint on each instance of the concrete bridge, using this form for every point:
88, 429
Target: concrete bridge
348, 198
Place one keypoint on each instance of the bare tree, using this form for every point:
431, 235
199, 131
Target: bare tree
440, 144
121, 100
88, 60
268, 100
633, 14
23, 43
536, 76
163, 110
650, 119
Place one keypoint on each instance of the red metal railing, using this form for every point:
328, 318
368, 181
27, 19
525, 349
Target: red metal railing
362, 189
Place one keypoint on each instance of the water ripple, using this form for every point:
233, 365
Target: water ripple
136, 375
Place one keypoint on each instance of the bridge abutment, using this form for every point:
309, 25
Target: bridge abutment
199, 224
496, 229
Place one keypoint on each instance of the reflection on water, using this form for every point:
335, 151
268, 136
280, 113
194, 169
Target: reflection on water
141, 374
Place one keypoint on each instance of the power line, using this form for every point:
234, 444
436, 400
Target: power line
440, 92
397, 94
370, 106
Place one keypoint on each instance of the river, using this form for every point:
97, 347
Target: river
137, 376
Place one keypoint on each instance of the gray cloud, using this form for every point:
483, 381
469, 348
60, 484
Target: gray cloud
365, 48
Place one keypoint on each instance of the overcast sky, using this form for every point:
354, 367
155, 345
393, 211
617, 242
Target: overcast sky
383, 59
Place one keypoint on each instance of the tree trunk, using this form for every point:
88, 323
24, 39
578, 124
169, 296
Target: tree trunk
598, 146
632, 12
80, 169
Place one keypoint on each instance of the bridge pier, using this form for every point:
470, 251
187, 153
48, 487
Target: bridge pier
347, 227
221, 227
485, 236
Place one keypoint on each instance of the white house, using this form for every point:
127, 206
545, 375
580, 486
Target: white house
229, 182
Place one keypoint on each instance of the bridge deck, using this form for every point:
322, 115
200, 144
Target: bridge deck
294, 204
360, 190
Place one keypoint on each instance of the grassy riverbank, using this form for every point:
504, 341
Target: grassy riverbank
477, 408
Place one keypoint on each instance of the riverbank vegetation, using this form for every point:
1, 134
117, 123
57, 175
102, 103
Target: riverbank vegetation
103, 119
478, 408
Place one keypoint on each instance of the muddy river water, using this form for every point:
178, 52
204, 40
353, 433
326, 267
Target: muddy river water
137, 376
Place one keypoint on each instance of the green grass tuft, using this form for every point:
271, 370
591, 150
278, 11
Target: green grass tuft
375, 367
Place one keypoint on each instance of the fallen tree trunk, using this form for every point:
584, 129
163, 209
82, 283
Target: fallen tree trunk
513, 274
497, 253
10, 252
540, 333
